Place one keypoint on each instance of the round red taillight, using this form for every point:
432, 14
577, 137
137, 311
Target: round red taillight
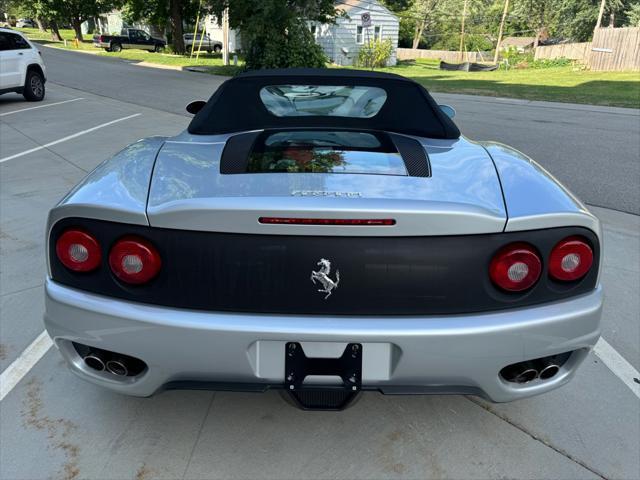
570, 259
515, 267
134, 260
78, 251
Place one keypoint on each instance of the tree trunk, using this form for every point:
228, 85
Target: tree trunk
55, 33
40, 25
77, 28
177, 42
539, 33
417, 36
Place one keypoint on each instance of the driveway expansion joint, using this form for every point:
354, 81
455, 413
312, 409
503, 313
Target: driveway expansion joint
533, 436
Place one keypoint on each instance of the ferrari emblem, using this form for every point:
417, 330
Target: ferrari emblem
322, 275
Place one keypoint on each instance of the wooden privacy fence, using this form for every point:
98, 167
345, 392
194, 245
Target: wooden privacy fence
615, 49
572, 51
611, 49
446, 55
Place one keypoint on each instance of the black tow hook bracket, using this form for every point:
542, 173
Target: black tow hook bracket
323, 397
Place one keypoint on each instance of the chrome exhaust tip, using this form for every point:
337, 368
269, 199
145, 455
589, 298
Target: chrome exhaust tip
526, 376
549, 371
94, 362
117, 367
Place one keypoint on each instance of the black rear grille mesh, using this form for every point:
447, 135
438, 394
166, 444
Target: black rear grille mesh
272, 273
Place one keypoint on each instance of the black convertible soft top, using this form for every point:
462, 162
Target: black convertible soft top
236, 106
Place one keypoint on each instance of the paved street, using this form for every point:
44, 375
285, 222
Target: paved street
53, 425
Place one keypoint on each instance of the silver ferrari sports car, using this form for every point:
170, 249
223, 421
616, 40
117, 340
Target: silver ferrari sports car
323, 232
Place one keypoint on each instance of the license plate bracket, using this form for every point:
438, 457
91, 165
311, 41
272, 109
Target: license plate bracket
298, 367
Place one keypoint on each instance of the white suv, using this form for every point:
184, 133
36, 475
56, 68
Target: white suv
21, 67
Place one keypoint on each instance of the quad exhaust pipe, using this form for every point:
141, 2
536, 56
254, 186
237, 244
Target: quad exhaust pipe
526, 376
540, 369
549, 371
114, 363
117, 367
94, 361
98, 361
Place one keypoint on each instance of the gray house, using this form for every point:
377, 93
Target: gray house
342, 40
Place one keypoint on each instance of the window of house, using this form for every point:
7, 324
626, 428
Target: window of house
377, 33
314, 31
359, 35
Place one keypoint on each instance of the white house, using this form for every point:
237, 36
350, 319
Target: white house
342, 41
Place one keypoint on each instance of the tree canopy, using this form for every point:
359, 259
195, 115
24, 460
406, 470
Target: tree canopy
276, 32
437, 23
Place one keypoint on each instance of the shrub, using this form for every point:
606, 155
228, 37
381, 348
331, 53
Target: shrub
375, 54
296, 47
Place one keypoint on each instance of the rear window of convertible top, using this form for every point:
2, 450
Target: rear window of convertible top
323, 100
321, 151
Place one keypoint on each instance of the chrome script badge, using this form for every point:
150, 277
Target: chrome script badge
323, 193
322, 275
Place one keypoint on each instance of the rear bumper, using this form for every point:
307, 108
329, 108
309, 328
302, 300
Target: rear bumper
101, 44
434, 354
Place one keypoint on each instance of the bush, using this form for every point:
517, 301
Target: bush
375, 54
295, 47
519, 60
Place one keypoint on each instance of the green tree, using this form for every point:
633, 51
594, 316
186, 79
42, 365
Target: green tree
276, 32
164, 12
78, 11
633, 15
52, 12
424, 15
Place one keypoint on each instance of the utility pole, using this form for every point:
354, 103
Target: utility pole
225, 36
599, 22
464, 15
504, 17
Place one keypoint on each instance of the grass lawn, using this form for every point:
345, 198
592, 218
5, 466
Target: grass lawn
557, 84
213, 62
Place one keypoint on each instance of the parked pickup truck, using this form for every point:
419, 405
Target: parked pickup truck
129, 38
203, 43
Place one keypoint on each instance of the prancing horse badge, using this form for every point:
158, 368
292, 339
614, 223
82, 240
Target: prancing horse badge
322, 275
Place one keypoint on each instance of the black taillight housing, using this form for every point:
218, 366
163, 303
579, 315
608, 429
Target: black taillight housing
218, 271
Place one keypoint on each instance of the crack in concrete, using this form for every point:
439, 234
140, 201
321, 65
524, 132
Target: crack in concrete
47, 149
565, 454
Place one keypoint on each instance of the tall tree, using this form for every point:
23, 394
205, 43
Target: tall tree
424, 13
78, 11
276, 32
633, 14
164, 12
540, 15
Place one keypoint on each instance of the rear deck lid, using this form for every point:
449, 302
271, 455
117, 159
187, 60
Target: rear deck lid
227, 183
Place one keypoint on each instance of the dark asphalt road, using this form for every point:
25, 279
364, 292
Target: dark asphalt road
595, 151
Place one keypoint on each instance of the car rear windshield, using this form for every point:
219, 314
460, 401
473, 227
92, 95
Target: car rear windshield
325, 152
323, 100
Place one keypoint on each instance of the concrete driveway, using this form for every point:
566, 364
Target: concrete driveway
53, 425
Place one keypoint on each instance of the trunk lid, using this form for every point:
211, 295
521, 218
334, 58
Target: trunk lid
462, 195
